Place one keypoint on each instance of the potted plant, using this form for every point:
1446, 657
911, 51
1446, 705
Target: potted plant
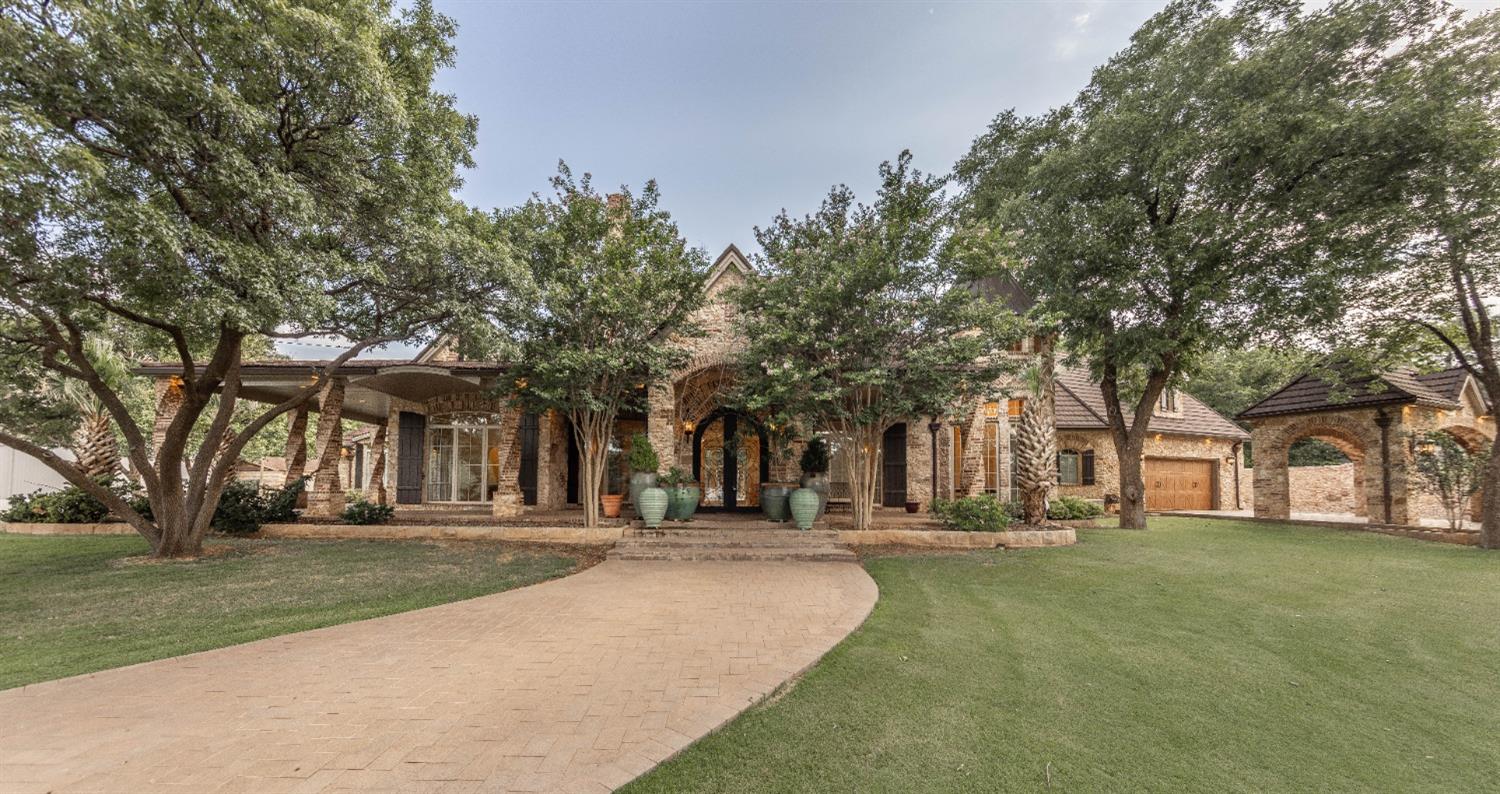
775, 495
683, 494
643, 463
815, 459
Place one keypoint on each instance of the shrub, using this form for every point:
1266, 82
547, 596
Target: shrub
673, 478
280, 505
642, 457
982, 513
362, 511
815, 457
69, 505
1072, 508
240, 508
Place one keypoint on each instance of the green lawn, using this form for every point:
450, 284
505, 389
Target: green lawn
72, 605
1197, 656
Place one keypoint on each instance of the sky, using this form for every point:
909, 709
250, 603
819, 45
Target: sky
741, 109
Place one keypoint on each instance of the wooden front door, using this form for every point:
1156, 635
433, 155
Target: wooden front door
1179, 484
413, 439
893, 466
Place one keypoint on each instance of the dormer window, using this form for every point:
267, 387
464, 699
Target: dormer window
1167, 402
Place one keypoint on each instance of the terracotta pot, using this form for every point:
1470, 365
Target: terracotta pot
611, 504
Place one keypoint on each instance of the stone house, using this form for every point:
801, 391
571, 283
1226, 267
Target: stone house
436, 434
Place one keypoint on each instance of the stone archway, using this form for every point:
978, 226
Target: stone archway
1356, 434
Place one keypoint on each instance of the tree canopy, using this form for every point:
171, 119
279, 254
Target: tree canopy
207, 172
1227, 178
866, 315
611, 291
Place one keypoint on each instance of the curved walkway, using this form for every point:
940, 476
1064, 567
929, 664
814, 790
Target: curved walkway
578, 684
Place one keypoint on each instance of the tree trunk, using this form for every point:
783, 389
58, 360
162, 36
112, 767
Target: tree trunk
1036, 442
591, 431
1132, 481
862, 475
1489, 529
97, 450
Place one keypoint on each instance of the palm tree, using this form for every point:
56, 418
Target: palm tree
94, 442
1036, 442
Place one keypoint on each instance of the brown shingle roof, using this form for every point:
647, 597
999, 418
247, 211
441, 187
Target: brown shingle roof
1308, 393
1080, 406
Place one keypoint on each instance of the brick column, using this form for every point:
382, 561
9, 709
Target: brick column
295, 452
919, 454
375, 488
327, 497
661, 425
168, 400
507, 501
551, 462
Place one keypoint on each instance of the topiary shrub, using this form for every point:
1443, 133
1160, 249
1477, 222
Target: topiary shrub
363, 511
982, 513
1072, 508
240, 508
815, 457
280, 506
642, 457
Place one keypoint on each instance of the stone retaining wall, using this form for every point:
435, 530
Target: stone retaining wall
102, 528
569, 536
949, 539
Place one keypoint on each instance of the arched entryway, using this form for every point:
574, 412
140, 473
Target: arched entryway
729, 460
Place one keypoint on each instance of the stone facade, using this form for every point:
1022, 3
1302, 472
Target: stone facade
1377, 441
1222, 451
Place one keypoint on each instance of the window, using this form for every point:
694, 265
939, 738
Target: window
991, 455
1069, 470
463, 457
1014, 407
1167, 403
1075, 467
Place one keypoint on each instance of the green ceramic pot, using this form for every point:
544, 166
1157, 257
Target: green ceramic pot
684, 502
652, 504
804, 505
640, 481
773, 496
818, 482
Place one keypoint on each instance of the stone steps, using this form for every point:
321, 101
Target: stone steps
731, 544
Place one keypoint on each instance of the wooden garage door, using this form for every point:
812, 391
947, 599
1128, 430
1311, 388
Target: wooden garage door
1176, 484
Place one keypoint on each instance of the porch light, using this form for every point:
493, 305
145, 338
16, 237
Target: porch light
687, 427
520, 384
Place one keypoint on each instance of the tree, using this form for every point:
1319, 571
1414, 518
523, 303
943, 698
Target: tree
1224, 179
96, 450
612, 289
1448, 471
1036, 437
1443, 282
200, 173
864, 316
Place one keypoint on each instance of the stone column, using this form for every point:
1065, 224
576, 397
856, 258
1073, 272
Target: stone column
168, 400
1272, 491
507, 502
295, 453
375, 488
327, 497
551, 462
661, 425
919, 454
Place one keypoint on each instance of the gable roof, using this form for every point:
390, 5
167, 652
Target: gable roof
1308, 393
731, 258
1080, 406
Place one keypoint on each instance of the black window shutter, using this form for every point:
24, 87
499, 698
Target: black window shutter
1059, 466
1087, 465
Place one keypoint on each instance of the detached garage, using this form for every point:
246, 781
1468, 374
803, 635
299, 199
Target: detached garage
1180, 483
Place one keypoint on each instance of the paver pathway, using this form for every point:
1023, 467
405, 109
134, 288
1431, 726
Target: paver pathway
578, 684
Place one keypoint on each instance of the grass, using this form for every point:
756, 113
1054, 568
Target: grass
1197, 656
71, 605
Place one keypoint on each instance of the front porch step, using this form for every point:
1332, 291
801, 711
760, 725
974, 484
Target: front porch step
723, 544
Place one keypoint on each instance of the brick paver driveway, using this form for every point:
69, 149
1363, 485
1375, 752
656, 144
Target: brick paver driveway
578, 684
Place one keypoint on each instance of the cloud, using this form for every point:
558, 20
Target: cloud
1066, 46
